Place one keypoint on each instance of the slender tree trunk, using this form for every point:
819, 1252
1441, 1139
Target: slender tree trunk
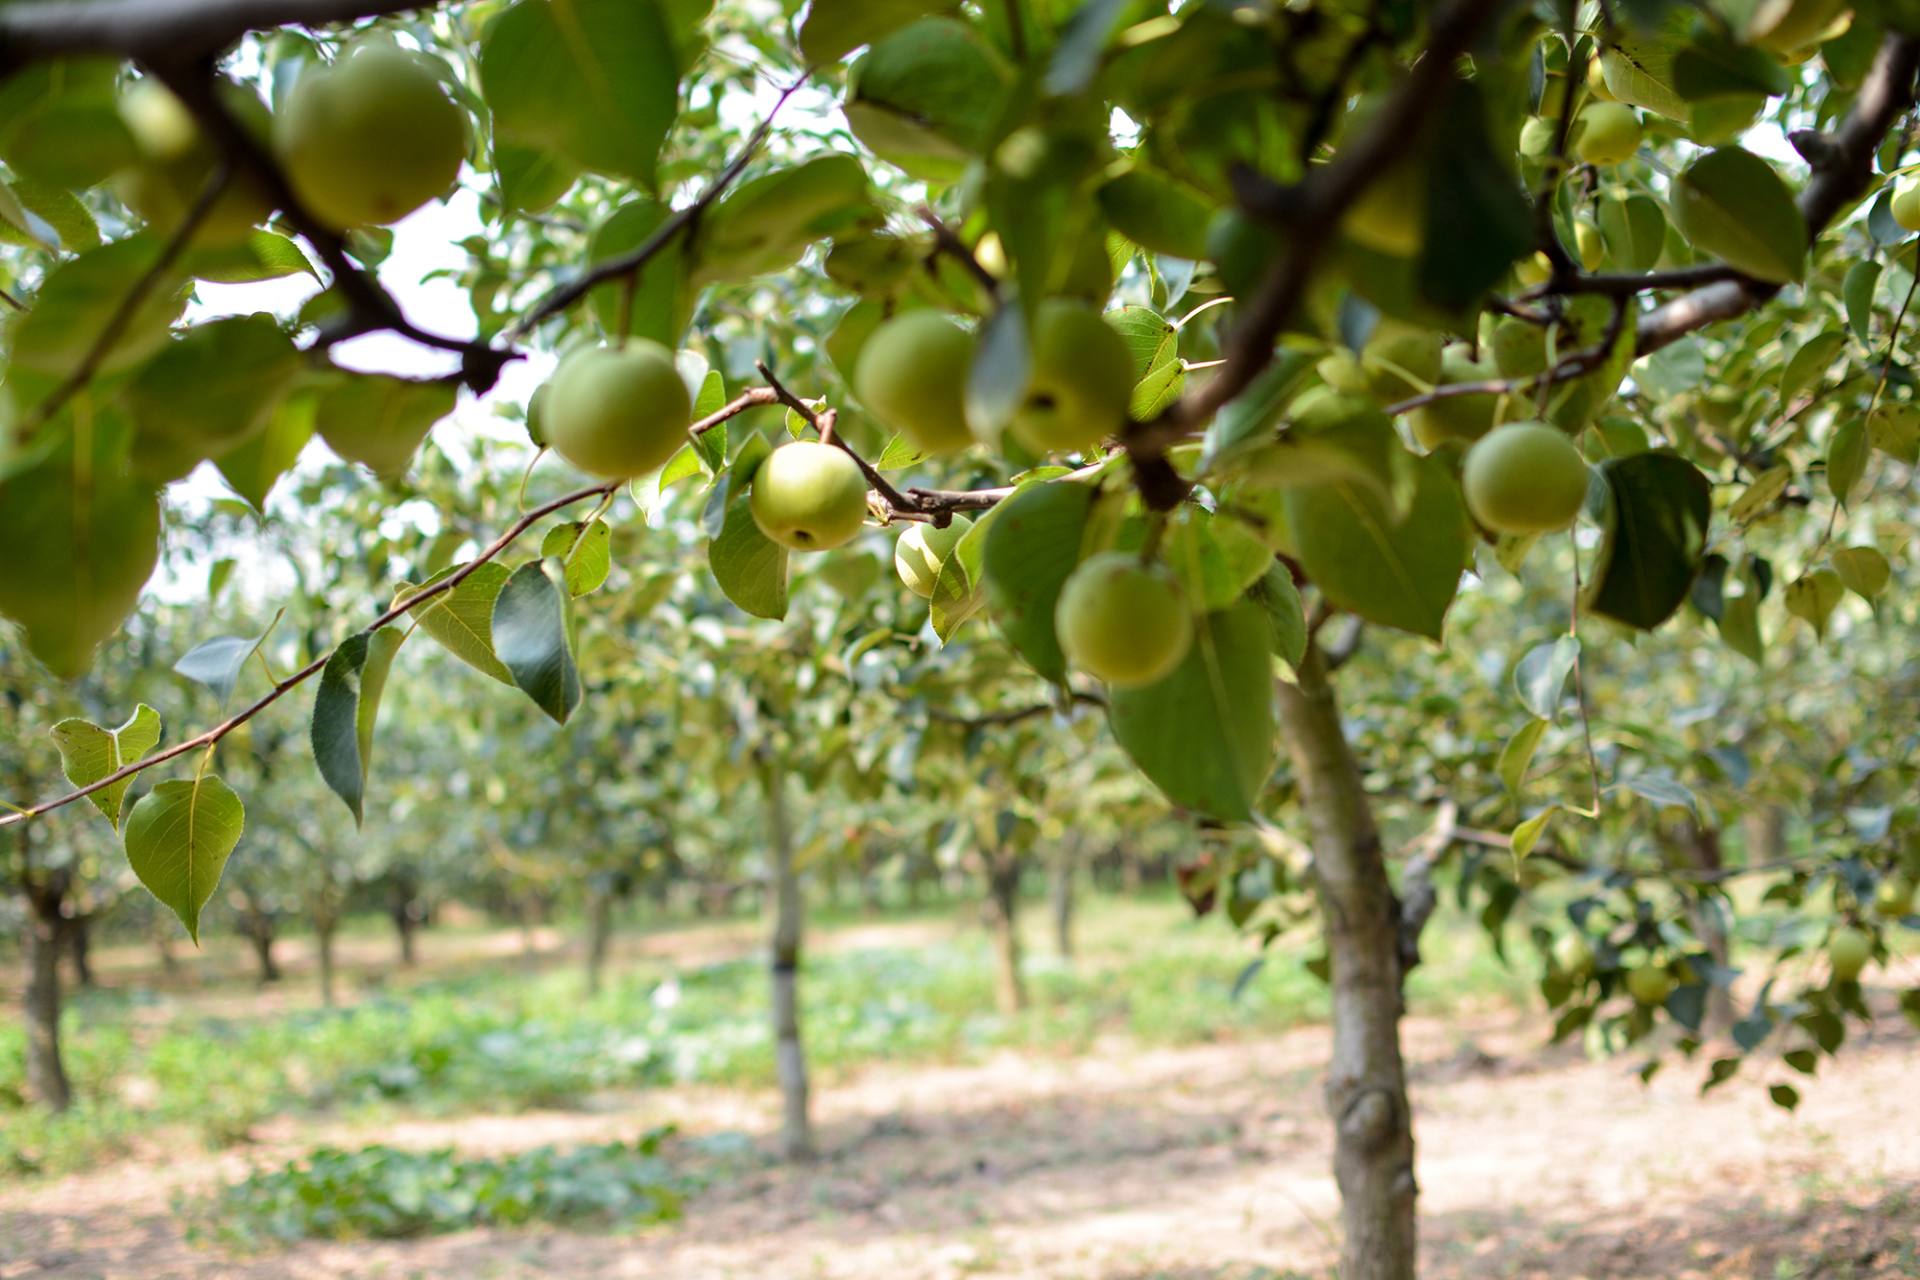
323, 933
1698, 848
400, 910
1366, 1081
1002, 911
79, 933
790, 1059
46, 934
1060, 886
599, 936
163, 944
259, 932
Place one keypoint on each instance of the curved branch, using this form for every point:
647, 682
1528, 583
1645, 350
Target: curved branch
164, 30
280, 690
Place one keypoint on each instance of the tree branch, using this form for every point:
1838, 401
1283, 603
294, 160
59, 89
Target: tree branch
822, 423
164, 30
680, 220
1418, 898
399, 609
1015, 715
1845, 168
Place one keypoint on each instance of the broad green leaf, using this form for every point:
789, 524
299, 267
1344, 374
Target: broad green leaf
18, 226
1655, 530
1813, 597
81, 296
89, 753
178, 839
1216, 558
1517, 755
531, 636
765, 225
60, 209
1759, 496
1894, 429
378, 420
462, 619
1808, 364
1862, 277
1400, 573
835, 28
345, 709
750, 567
210, 391
1732, 205
1639, 71
1662, 788
1157, 211
596, 80
1251, 416
998, 379
1205, 735
585, 550
1526, 836
531, 179
60, 122
252, 468
1276, 594
959, 591
662, 300
217, 663
1635, 230
1478, 219
1034, 543
1740, 627
1712, 66
1784, 1096
1863, 569
1846, 459
263, 255
925, 97
1541, 676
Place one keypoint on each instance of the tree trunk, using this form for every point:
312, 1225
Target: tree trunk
259, 931
79, 940
796, 1133
163, 944
1002, 911
46, 934
323, 931
1060, 897
599, 936
1698, 849
404, 924
1366, 1081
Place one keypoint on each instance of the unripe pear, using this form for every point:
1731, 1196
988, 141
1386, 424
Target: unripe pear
1573, 955
371, 138
618, 412
1905, 205
1609, 133
1123, 620
1650, 984
1080, 380
1536, 136
1464, 418
912, 375
809, 496
1589, 244
1526, 477
1894, 897
1848, 950
1401, 361
922, 549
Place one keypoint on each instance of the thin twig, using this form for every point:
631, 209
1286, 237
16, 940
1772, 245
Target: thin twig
948, 241
822, 425
754, 398
680, 220
400, 608
1013, 715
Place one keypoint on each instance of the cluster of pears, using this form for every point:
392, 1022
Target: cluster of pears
363, 141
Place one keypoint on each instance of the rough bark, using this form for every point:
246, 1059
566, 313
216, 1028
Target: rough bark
46, 934
783, 958
599, 937
1366, 1081
1003, 921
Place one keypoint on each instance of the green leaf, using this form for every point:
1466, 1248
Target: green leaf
1400, 573
1846, 459
1030, 549
1784, 1096
1808, 364
60, 209
925, 97
1635, 230
1205, 735
379, 420
958, 591
530, 635
214, 388
1157, 211
1758, 497
998, 379
835, 28
1640, 72
345, 709
1813, 598
261, 256
252, 468
1863, 569
1862, 278
17, 225
750, 567
80, 297
1541, 676
1478, 219
462, 619
585, 550
765, 225
89, 753
217, 663
1517, 755
1277, 595
1740, 627
1732, 205
1663, 789
596, 80
1526, 836
1894, 429
1712, 66
1655, 532
178, 839
1252, 414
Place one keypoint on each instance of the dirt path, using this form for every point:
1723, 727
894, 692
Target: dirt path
1192, 1164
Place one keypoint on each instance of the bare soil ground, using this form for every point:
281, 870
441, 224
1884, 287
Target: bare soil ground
1204, 1163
